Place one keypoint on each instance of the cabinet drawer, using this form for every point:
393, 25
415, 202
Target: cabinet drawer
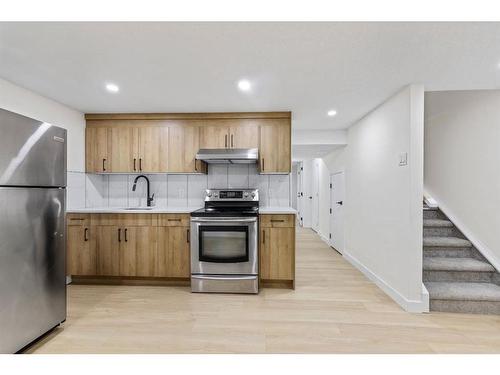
173, 220
78, 220
277, 221
131, 220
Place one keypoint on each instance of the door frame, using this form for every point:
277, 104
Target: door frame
341, 251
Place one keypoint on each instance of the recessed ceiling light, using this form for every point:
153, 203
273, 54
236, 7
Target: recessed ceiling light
244, 85
111, 87
332, 112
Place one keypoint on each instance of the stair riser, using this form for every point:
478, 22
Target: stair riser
458, 276
441, 232
433, 214
465, 307
447, 252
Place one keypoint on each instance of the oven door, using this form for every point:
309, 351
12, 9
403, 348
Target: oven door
222, 246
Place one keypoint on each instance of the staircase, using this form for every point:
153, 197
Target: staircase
458, 278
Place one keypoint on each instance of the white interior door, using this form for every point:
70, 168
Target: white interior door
315, 197
337, 196
300, 193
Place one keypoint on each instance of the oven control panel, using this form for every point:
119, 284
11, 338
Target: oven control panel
232, 195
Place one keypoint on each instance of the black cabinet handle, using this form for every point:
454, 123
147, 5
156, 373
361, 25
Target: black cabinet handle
103, 165
140, 164
232, 143
277, 221
134, 163
263, 169
225, 141
126, 240
263, 236
119, 235
85, 234
340, 202
187, 236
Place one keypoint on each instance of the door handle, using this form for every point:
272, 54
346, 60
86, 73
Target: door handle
140, 164
119, 235
340, 202
277, 221
232, 144
85, 234
187, 236
263, 236
134, 163
225, 141
126, 240
263, 169
103, 165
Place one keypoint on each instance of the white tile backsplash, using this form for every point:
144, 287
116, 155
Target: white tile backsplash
174, 190
118, 190
197, 184
237, 176
75, 190
177, 190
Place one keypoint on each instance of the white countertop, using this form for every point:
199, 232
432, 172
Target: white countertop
167, 210
277, 210
118, 210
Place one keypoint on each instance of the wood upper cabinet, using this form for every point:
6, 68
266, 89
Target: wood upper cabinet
275, 146
277, 247
183, 144
124, 152
81, 257
153, 149
214, 136
244, 134
98, 149
173, 252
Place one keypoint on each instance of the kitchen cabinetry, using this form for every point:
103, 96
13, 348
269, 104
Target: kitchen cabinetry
277, 250
173, 252
81, 257
168, 143
275, 146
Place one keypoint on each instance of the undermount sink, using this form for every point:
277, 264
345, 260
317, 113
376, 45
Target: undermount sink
138, 208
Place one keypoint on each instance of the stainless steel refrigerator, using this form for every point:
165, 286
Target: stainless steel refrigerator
32, 229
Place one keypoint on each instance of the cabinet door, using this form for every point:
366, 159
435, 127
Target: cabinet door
277, 253
184, 143
244, 135
146, 250
153, 149
81, 257
173, 252
123, 148
106, 241
216, 136
97, 149
275, 146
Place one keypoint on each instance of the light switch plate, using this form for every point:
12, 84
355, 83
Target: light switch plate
403, 159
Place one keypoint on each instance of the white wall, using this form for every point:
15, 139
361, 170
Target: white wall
462, 163
383, 205
25, 102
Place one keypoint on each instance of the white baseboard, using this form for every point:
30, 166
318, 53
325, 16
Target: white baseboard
324, 238
480, 246
406, 304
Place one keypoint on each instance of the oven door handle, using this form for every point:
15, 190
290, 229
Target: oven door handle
235, 277
223, 220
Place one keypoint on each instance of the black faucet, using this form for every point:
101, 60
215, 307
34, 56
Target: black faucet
150, 198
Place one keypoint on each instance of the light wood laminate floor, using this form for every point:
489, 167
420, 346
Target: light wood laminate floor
334, 309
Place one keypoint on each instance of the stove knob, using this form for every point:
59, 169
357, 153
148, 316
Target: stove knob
209, 194
245, 194
253, 195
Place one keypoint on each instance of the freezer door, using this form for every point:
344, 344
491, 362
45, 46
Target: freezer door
32, 153
32, 264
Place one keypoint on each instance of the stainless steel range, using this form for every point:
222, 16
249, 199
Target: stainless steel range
224, 242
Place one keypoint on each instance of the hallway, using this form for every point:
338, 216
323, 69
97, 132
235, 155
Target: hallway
334, 309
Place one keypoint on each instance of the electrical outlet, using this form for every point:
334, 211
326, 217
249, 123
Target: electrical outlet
403, 159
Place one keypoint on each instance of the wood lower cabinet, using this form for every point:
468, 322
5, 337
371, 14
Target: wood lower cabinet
173, 252
129, 246
277, 250
81, 256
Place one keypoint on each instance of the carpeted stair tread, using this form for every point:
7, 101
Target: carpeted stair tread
437, 223
456, 264
463, 291
446, 242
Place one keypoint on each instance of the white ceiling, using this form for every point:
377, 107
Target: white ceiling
304, 152
307, 68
